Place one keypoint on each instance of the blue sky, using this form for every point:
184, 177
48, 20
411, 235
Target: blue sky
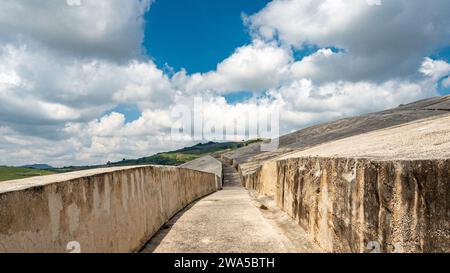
442, 54
97, 98
196, 34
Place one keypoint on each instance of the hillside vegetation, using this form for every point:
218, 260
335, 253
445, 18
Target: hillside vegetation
184, 155
172, 158
11, 173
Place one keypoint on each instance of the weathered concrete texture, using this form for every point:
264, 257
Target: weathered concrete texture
109, 210
229, 221
207, 164
382, 177
346, 203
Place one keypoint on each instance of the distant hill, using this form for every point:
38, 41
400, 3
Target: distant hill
38, 166
172, 158
184, 155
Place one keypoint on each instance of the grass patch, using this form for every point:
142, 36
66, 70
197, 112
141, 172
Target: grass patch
12, 173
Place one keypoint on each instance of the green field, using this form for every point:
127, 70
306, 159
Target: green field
11, 173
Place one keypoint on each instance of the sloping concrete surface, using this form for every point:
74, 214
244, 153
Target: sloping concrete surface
230, 221
251, 158
205, 164
419, 140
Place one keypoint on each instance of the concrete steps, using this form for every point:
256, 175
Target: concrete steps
231, 177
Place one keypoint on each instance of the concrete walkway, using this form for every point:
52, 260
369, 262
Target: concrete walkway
230, 221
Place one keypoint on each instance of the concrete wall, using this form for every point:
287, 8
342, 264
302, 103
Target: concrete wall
109, 210
344, 204
207, 164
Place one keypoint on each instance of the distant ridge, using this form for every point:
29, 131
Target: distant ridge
38, 166
171, 158
185, 154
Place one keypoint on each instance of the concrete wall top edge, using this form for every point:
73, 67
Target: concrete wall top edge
249, 170
207, 164
371, 159
39, 181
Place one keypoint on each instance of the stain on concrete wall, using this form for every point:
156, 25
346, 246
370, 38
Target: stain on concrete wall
115, 211
347, 204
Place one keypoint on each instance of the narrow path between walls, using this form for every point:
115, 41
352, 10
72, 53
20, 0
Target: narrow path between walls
230, 221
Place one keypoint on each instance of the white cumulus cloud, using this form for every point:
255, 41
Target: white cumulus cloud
64, 70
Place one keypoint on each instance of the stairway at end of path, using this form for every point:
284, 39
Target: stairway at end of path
231, 177
227, 221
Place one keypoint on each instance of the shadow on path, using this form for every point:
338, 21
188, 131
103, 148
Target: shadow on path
159, 236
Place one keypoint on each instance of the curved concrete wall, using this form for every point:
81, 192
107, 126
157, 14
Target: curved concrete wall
346, 205
107, 210
207, 164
